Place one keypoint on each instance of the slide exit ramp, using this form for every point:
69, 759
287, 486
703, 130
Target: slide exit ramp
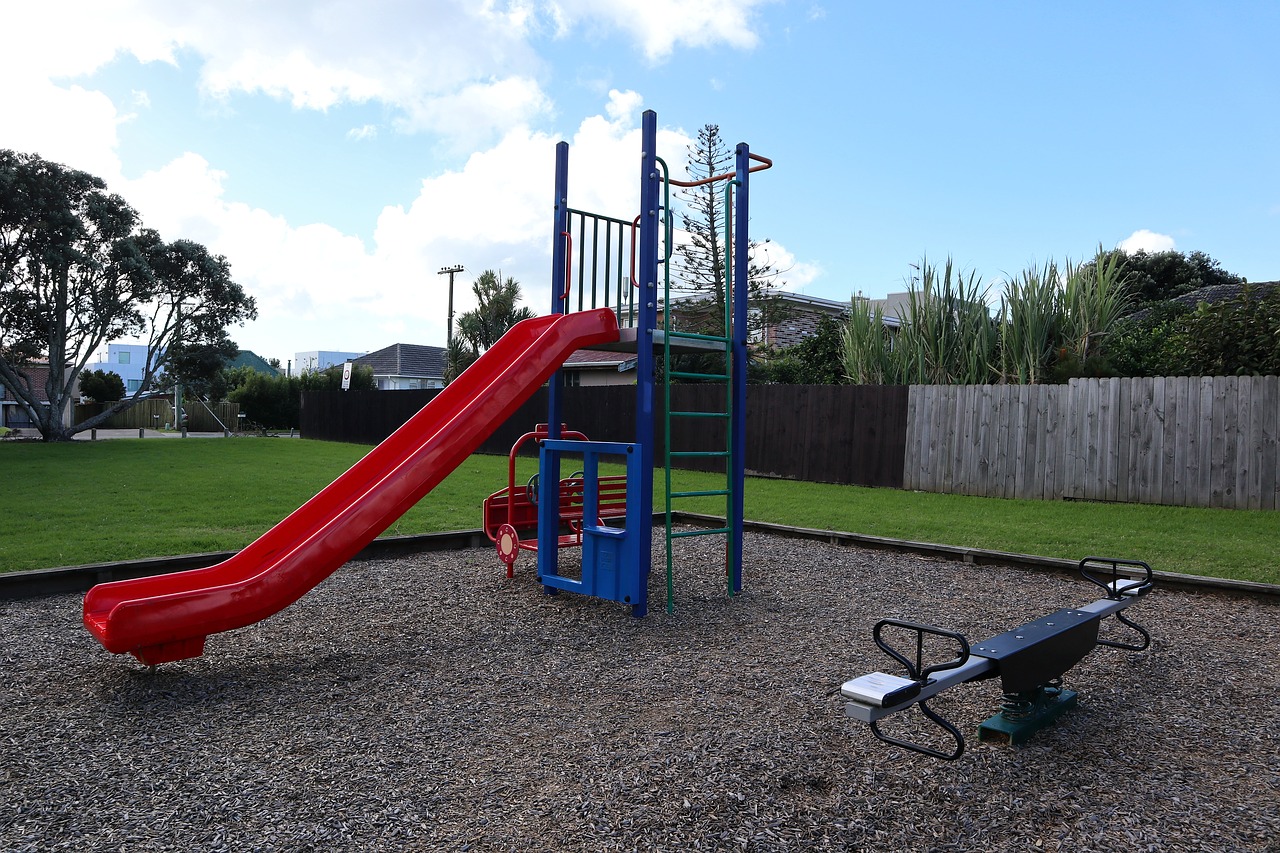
168, 618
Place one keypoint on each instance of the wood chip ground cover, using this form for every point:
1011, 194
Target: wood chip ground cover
429, 703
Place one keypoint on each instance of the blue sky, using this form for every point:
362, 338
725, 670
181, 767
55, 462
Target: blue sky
339, 153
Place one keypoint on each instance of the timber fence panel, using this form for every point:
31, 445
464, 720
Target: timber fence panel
1246, 466
1126, 441
1269, 427
964, 416
1183, 424
1155, 434
1203, 494
911, 459
1169, 442
1108, 440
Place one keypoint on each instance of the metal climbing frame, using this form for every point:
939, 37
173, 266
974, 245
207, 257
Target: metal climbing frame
588, 257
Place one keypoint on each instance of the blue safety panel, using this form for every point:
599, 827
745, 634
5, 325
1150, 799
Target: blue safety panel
611, 565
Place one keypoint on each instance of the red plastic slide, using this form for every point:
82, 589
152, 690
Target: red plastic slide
167, 618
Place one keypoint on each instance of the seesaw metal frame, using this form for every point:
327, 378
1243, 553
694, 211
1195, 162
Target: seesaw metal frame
1030, 659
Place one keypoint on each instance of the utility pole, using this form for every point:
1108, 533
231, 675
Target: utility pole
450, 271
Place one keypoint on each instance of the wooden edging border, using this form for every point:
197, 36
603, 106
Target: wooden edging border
979, 556
67, 579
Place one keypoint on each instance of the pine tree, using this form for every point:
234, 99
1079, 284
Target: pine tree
698, 266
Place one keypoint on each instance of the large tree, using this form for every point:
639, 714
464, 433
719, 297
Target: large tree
496, 312
77, 270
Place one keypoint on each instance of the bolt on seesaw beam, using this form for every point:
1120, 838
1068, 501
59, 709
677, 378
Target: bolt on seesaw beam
1030, 661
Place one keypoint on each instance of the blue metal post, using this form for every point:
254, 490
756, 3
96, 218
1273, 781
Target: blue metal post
647, 273
738, 389
549, 479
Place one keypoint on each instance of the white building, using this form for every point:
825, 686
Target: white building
128, 361
305, 362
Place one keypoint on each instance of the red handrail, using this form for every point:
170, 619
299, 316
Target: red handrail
635, 224
765, 161
568, 267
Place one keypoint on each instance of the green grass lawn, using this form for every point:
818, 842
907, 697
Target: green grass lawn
86, 502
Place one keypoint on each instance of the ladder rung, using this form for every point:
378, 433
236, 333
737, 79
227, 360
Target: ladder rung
699, 454
680, 374
686, 533
694, 336
699, 414
710, 493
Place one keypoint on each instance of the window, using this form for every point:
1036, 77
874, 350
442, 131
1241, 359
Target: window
134, 385
572, 378
122, 357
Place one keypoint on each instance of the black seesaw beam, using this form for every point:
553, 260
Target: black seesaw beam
1026, 658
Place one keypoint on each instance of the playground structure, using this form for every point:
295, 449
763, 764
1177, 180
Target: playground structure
1030, 661
168, 617
623, 264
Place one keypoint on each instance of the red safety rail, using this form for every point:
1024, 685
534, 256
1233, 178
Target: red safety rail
517, 507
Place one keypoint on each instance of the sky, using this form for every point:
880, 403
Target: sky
340, 153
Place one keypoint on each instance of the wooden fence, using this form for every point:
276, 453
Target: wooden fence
1184, 441
1180, 441
838, 434
157, 413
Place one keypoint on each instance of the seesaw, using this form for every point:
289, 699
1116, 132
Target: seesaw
1030, 661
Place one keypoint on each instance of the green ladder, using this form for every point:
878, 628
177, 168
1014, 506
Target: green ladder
721, 344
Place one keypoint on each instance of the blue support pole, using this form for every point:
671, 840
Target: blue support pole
549, 470
647, 273
738, 389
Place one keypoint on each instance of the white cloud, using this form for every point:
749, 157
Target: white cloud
470, 63
362, 133
319, 288
1146, 241
661, 26
792, 275
478, 111
76, 126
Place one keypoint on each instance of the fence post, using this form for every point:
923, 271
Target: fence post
141, 430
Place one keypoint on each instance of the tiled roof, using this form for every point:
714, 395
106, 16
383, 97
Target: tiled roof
1226, 292
411, 360
1217, 293
597, 358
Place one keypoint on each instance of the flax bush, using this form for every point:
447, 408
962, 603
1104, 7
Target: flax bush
947, 335
1052, 324
1030, 324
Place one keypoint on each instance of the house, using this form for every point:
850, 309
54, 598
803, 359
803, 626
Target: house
406, 366
322, 359
13, 415
590, 367
128, 361
793, 317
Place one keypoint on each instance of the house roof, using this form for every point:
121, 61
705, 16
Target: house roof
249, 358
584, 359
1226, 292
412, 360
1218, 293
